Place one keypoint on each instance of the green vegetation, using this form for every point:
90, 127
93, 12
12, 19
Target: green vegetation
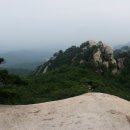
10, 79
19, 71
1, 60
62, 81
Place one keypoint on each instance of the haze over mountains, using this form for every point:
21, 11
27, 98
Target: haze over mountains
24, 61
118, 46
17, 58
25, 58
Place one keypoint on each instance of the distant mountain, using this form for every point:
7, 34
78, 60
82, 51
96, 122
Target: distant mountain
118, 46
26, 59
29, 65
19, 71
121, 45
128, 44
123, 49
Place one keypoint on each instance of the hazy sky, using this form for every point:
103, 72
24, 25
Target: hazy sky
60, 23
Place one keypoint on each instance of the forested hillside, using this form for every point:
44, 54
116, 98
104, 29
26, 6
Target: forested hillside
69, 74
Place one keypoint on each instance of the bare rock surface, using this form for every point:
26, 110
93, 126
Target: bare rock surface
91, 111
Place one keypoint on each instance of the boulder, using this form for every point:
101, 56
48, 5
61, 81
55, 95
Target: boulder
106, 64
120, 63
114, 71
91, 43
88, 44
97, 57
113, 61
106, 50
82, 61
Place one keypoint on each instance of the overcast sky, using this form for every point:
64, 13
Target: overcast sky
30, 24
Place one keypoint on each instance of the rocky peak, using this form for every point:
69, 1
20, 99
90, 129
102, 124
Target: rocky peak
98, 52
88, 44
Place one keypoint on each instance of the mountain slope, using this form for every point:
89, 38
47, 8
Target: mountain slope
95, 111
91, 52
67, 74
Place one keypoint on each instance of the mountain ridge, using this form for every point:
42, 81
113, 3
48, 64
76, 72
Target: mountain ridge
100, 53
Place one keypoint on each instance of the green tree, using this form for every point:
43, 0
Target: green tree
1, 60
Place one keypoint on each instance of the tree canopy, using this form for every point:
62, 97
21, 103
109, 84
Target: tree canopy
1, 60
